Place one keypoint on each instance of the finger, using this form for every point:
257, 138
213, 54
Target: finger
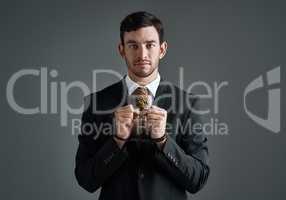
136, 115
129, 113
121, 113
154, 107
153, 114
157, 110
125, 121
154, 117
156, 121
125, 116
128, 107
153, 124
136, 120
125, 111
136, 111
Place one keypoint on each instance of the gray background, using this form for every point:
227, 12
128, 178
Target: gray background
232, 41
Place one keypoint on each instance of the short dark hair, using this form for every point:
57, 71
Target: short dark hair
136, 20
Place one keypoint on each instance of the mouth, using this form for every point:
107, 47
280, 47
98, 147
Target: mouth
142, 63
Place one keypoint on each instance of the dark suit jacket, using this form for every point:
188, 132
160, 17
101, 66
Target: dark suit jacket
143, 172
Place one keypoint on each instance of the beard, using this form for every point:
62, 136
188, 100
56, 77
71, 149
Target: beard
142, 73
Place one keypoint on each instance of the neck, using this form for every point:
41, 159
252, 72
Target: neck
142, 81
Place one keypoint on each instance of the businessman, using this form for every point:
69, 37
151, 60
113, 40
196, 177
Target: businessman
170, 156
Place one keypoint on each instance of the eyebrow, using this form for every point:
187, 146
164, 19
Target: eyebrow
134, 42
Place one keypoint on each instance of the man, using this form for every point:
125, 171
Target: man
173, 158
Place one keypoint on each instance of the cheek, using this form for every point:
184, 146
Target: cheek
155, 53
129, 56
155, 57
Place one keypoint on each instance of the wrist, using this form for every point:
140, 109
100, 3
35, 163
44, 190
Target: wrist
119, 141
120, 138
160, 139
161, 144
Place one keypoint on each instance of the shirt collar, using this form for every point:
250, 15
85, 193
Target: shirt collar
152, 86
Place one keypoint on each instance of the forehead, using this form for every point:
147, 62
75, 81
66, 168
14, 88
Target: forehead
142, 35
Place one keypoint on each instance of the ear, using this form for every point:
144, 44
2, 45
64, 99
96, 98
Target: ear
163, 49
121, 50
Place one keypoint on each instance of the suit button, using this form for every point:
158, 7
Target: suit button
141, 175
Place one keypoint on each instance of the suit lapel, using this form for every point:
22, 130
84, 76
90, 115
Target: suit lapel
163, 95
120, 95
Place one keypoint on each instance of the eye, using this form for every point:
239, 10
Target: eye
150, 45
133, 46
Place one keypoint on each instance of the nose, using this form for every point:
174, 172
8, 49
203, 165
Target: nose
142, 52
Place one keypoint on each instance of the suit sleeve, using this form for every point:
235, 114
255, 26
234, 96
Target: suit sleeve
98, 156
185, 159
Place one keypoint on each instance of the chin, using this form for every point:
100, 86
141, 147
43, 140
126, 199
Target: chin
143, 74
